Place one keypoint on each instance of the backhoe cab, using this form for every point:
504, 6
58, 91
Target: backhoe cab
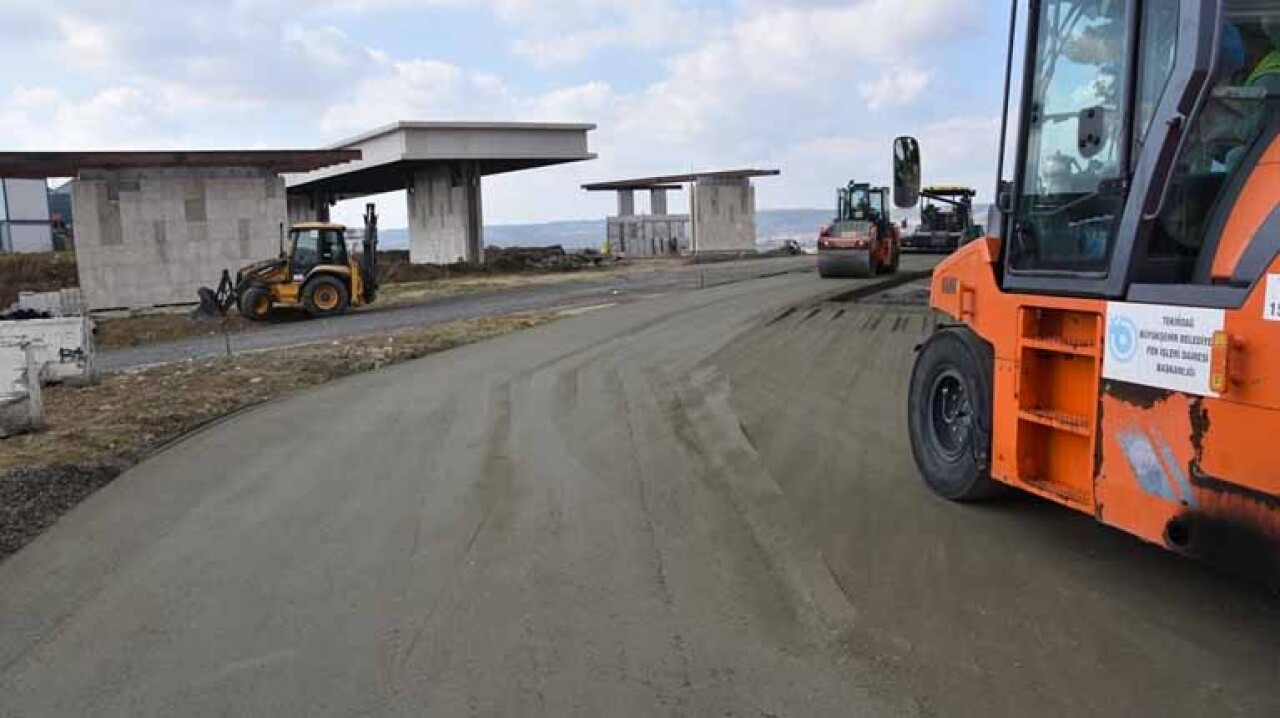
1112, 345
314, 271
861, 240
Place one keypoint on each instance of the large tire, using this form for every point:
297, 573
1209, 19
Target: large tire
949, 415
893, 260
325, 296
255, 303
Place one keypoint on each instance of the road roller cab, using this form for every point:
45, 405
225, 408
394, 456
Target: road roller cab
861, 240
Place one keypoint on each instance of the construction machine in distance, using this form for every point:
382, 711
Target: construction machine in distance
861, 241
1114, 345
314, 271
946, 220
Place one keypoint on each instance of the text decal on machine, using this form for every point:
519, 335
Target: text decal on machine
1162, 346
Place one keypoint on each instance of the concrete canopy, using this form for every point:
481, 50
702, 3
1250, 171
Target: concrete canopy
392, 154
42, 165
440, 165
673, 181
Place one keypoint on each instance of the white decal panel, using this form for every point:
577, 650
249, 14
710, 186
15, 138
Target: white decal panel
1162, 346
1271, 305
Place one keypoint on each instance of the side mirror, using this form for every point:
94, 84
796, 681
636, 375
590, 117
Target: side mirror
1004, 202
1090, 126
906, 172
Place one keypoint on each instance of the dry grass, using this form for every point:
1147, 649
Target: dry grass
125, 415
46, 272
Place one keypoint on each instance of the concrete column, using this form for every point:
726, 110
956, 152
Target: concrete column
445, 220
657, 201
475, 216
724, 215
626, 203
307, 208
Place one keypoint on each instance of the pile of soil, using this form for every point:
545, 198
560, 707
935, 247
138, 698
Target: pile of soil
394, 266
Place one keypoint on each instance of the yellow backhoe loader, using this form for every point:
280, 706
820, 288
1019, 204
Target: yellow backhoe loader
314, 271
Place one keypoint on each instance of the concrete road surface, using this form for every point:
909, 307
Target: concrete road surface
701, 504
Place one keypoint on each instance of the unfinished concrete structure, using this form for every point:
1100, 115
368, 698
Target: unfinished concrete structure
153, 227
655, 234
441, 166
721, 219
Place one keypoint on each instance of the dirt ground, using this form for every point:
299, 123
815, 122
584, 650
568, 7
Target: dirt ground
94, 433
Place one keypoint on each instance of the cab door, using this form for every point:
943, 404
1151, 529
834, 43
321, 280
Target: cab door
1107, 87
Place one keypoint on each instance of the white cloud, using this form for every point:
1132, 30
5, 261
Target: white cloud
116, 117
418, 90
895, 88
86, 43
673, 86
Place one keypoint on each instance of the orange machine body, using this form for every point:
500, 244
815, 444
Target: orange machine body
1194, 473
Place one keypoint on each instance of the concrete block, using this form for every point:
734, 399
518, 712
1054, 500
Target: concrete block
64, 348
15, 414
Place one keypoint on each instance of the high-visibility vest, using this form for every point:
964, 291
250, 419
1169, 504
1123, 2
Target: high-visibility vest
1270, 65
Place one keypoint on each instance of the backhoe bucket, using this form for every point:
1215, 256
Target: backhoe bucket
215, 302
208, 308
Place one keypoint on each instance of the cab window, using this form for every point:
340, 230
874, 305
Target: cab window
1071, 198
1238, 116
313, 247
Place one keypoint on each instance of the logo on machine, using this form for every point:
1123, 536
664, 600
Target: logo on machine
1122, 339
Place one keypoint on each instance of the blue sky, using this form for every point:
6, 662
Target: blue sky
816, 88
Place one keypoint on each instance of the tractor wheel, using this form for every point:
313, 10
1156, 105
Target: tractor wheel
325, 296
893, 260
949, 415
255, 303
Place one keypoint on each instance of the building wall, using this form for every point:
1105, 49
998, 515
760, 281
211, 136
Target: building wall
444, 212
24, 216
650, 235
152, 238
724, 215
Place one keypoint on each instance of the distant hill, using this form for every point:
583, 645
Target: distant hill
772, 226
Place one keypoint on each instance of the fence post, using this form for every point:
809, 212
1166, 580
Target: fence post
34, 397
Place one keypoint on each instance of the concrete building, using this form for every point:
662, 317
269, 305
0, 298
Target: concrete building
24, 216
153, 227
441, 165
722, 216
655, 234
